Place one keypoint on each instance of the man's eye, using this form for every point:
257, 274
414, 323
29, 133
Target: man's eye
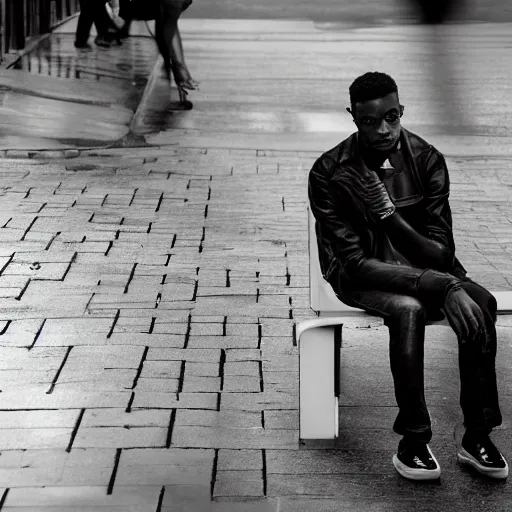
368, 121
392, 118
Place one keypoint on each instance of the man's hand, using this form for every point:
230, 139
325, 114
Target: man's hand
464, 315
371, 191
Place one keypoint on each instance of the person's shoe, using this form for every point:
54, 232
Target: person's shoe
182, 76
124, 32
112, 36
82, 46
101, 41
415, 461
480, 453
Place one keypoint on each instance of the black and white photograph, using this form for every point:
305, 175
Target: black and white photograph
255, 255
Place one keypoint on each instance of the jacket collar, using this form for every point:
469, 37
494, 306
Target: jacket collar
399, 171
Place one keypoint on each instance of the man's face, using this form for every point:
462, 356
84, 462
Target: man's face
378, 121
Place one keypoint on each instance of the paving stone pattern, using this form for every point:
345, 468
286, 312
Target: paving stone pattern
147, 335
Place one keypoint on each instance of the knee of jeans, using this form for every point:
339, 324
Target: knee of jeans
410, 308
406, 333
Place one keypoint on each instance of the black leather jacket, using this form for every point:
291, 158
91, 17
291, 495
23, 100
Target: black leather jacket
354, 249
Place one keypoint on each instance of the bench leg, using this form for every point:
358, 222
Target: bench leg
318, 402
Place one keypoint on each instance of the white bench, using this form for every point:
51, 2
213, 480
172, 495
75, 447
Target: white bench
319, 341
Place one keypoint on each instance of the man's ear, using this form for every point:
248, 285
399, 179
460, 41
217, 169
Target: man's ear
402, 108
351, 113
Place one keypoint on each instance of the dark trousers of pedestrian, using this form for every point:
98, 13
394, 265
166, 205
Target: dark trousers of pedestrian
435, 11
166, 24
406, 318
91, 11
125, 12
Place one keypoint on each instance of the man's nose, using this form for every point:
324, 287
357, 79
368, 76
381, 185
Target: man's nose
383, 128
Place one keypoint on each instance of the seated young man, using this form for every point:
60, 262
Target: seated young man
385, 241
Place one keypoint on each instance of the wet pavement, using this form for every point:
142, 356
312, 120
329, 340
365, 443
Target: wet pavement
149, 294
283, 85
59, 97
362, 12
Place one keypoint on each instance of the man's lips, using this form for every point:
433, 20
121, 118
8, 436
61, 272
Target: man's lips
386, 142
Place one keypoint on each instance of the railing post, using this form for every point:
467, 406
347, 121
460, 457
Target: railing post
18, 24
2, 30
22, 19
54, 17
44, 16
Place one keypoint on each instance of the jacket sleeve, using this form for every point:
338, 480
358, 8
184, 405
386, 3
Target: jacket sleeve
438, 212
364, 271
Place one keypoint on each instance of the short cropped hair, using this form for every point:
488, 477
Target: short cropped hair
371, 86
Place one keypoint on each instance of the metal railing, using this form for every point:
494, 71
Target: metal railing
22, 19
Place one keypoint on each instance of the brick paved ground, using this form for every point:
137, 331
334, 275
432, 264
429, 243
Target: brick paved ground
148, 301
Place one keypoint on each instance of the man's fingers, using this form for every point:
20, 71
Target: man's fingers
477, 321
481, 331
474, 328
456, 324
465, 331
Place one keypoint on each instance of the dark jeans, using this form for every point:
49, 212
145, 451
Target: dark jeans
405, 317
91, 11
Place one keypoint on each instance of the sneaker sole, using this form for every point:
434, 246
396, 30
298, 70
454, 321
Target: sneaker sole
416, 474
467, 459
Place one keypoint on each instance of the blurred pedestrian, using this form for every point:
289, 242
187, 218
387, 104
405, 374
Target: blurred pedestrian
445, 82
119, 12
435, 11
126, 16
93, 11
169, 42
167, 35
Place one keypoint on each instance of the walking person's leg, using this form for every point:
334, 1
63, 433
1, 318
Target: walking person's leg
102, 22
92, 11
447, 88
169, 42
84, 25
166, 24
180, 70
435, 11
126, 14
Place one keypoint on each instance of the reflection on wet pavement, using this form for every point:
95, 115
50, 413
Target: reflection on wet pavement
127, 64
73, 87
